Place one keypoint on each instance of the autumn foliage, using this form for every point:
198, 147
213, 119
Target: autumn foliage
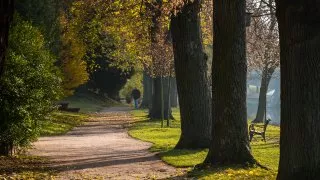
72, 56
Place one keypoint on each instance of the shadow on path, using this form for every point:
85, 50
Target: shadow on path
102, 148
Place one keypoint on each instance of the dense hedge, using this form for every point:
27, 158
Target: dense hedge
29, 87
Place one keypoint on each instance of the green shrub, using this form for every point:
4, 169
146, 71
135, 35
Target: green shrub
29, 86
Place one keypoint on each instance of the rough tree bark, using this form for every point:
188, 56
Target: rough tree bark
6, 13
230, 144
156, 109
265, 80
6, 148
174, 93
147, 91
191, 74
299, 27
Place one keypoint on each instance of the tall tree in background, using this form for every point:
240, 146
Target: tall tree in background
6, 13
73, 51
58, 22
161, 54
230, 144
114, 36
147, 90
299, 27
45, 15
174, 93
263, 48
192, 80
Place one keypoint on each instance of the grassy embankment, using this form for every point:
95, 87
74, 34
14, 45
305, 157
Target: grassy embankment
90, 102
62, 122
164, 140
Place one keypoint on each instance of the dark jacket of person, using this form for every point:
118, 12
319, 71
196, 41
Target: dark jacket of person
136, 94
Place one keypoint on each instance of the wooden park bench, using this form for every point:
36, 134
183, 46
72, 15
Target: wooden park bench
64, 106
253, 131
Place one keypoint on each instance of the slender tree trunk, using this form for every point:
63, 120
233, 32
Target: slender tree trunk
6, 148
230, 144
191, 74
299, 27
156, 110
265, 80
169, 101
6, 12
147, 91
267, 71
174, 93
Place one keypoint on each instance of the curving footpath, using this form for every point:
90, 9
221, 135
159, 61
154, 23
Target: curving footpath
102, 149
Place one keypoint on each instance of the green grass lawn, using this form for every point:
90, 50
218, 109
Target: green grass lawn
61, 122
89, 102
164, 140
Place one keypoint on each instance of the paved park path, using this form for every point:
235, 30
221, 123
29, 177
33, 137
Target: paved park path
102, 149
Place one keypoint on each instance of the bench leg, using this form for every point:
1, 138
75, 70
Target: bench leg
250, 136
263, 136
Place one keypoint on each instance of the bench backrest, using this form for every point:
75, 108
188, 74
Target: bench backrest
266, 124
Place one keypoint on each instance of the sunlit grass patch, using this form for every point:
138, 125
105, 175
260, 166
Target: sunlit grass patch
234, 172
164, 140
184, 158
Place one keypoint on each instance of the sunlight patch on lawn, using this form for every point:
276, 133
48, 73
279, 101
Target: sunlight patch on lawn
165, 139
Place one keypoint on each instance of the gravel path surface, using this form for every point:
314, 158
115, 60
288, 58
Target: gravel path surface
102, 149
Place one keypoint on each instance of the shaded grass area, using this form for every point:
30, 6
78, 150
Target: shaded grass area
24, 167
61, 122
165, 139
89, 102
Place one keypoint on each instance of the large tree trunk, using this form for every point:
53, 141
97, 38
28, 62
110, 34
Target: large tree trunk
299, 27
174, 93
156, 109
265, 80
6, 12
191, 74
230, 144
147, 91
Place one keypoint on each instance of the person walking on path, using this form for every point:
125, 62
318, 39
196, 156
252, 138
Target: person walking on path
136, 95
